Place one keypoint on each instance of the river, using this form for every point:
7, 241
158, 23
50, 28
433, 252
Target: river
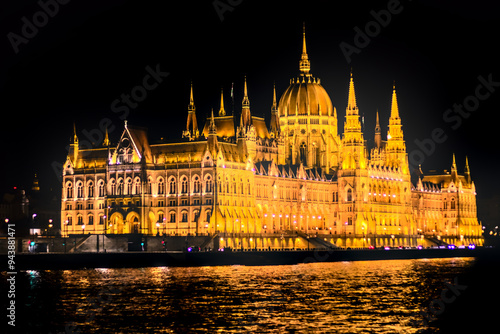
391, 296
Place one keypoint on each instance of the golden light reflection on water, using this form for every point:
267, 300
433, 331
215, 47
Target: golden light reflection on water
341, 297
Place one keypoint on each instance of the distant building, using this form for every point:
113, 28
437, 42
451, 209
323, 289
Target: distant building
249, 183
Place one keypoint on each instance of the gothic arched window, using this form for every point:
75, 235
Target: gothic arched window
303, 153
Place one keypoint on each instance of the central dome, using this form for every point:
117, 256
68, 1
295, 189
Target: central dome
305, 95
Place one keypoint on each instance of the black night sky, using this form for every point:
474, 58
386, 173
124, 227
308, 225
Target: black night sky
88, 53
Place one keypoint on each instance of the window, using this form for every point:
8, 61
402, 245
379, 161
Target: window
120, 187
208, 185
171, 202
91, 189
149, 186
184, 216
172, 217
196, 202
69, 220
113, 187
101, 188
69, 207
91, 220
69, 190
184, 202
303, 153
137, 187
161, 203
90, 206
184, 185
208, 215
196, 185
160, 217
161, 187
80, 220
172, 186
101, 220
79, 190
129, 186
453, 205
208, 201
349, 195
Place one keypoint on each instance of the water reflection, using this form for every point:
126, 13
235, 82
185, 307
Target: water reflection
342, 297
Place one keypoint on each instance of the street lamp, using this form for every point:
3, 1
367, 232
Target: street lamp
83, 228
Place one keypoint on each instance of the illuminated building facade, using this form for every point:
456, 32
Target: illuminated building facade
259, 187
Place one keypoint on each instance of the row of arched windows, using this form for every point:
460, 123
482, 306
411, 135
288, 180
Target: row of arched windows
80, 220
79, 191
129, 187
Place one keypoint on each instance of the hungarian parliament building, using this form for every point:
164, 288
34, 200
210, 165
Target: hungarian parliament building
257, 186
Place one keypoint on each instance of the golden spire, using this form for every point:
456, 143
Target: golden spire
351, 101
222, 112
275, 105
75, 137
212, 129
378, 133
304, 64
467, 170
246, 101
275, 126
245, 112
106, 141
191, 106
191, 131
454, 172
394, 106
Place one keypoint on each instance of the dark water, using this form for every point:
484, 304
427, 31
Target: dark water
343, 297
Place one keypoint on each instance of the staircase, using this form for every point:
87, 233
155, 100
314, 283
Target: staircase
208, 240
317, 242
79, 243
436, 241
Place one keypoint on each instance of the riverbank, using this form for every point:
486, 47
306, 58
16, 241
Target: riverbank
44, 261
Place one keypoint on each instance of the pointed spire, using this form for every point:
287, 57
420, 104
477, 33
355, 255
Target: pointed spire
378, 133
222, 112
275, 127
75, 137
467, 171
191, 106
212, 136
212, 129
191, 131
454, 172
246, 101
275, 105
245, 112
394, 105
304, 64
106, 141
352, 108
